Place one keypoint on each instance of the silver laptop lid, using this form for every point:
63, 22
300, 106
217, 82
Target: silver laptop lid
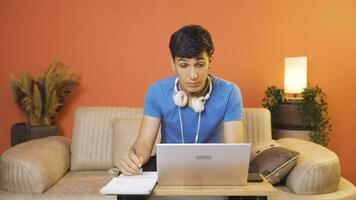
203, 164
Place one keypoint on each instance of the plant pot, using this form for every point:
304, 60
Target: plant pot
20, 132
285, 133
289, 122
289, 117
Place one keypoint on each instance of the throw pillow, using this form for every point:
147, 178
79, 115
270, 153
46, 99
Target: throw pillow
125, 132
272, 160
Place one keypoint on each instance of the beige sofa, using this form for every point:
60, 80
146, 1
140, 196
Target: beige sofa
54, 168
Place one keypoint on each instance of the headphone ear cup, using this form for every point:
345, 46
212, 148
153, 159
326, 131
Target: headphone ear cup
180, 98
198, 104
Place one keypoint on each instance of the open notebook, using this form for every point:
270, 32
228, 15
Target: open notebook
140, 184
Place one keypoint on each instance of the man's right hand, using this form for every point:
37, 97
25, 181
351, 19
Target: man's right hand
130, 164
133, 161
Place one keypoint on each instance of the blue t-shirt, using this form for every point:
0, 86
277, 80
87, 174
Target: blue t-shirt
224, 104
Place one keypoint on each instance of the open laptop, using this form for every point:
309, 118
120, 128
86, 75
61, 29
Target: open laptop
203, 164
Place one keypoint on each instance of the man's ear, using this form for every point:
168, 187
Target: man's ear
210, 62
172, 64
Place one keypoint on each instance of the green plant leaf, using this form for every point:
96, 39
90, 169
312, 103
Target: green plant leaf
313, 108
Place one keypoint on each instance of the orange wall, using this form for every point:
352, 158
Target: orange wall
119, 47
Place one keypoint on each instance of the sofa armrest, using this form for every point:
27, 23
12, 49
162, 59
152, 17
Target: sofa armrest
317, 170
34, 166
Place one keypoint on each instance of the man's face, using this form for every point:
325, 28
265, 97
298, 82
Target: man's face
192, 73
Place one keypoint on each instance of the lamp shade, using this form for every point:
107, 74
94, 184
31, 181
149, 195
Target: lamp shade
295, 74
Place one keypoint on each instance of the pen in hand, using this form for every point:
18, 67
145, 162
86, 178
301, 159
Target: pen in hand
137, 161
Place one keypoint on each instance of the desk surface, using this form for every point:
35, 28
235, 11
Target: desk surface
250, 189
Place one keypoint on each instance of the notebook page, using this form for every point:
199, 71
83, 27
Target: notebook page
139, 184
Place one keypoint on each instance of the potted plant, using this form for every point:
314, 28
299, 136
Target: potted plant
310, 113
273, 97
40, 98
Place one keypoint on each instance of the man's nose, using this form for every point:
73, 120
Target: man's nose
193, 74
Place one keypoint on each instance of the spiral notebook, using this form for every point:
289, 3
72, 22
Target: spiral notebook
142, 184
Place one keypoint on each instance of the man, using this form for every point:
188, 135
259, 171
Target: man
191, 107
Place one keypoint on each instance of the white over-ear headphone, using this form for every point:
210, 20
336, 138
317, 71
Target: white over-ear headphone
180, 98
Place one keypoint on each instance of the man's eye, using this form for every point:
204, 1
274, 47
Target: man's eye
201, 65
183, 65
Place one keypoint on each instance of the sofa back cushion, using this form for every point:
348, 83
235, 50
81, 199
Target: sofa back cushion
92, 138
257, 125
125, 133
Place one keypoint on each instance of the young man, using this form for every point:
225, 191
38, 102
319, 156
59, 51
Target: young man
191, 107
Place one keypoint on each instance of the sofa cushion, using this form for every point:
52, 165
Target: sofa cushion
272, 160
345, 191
125, 134
80, 185
257, 125
34, 166
317, 170
92, 139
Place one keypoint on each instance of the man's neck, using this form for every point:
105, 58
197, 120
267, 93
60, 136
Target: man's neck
203, 92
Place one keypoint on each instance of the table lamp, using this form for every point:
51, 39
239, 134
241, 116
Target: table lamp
295, 77
289, 122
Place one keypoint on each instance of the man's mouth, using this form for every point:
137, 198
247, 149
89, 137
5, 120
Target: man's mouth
193, 84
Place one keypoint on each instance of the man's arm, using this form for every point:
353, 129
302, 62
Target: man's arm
233, 132
141, 150
146, 138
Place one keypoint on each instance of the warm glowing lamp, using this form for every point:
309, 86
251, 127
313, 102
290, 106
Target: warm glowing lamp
295, 75
289, 122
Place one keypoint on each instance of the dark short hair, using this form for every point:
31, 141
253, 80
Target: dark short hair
190, 41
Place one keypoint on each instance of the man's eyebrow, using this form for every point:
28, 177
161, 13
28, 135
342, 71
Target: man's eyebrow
186, 59
181, 59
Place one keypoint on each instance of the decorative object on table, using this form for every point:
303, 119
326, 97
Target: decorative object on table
40, 98
299, 110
